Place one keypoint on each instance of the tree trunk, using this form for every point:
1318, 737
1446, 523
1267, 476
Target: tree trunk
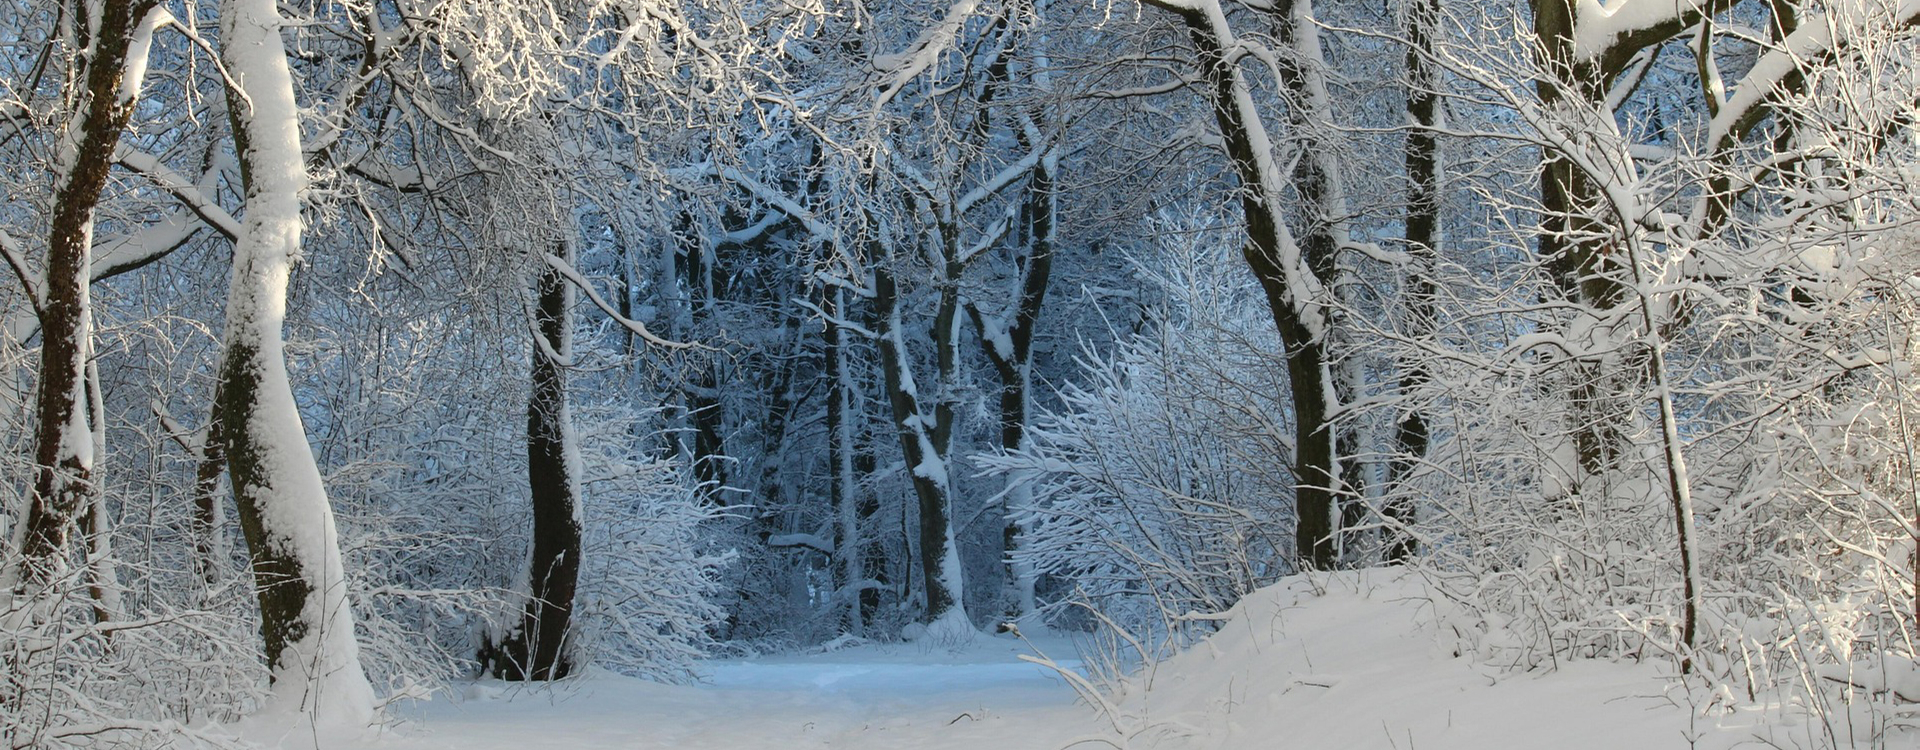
702, 393
923, 443
304, 615
1008, 344
537, 648
1580, 251
63, 445
103, 572
1411, 434
1288, 276
210, 554
848, 546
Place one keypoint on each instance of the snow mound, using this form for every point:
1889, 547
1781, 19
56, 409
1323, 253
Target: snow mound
1360, 660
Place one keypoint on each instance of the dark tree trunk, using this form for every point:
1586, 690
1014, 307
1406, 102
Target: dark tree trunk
702, 393
1008, 345
63, 465
537, 648
209, 553
1412, 435
922, 444
1314, 465
281, 581
1579, 249
874, 556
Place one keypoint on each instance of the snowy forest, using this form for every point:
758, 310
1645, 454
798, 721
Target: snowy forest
364, 353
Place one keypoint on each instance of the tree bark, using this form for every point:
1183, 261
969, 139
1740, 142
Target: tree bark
1008, 344
1412, 435
305, 619
63, 447
1581, 251
1288, 274
848, 545
923, 443
537, 648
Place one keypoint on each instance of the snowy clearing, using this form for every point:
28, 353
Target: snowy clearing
1349, 660
875, 696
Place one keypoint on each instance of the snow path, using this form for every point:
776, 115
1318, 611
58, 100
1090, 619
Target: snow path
884, 696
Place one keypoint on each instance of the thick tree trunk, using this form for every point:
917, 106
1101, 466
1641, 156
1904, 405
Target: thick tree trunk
1574, 246
63, 445
304, 615
1579, 249
537, 648
1008, 344
923, 443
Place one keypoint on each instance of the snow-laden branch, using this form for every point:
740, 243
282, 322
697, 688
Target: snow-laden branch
1303, 287
776, 199
133, 73
902, 67
993, 234
16, 260
1814, 39
135, 250
752, 232
838, 321
572, 275
1601, 29
815, 541
1001, 180
189, 193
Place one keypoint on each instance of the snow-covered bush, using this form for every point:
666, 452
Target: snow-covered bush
1159, 484
650, 572
142, 661
1788, 335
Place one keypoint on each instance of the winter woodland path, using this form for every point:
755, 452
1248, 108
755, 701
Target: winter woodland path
903, 696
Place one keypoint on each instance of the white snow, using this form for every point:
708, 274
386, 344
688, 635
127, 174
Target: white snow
318, 676
905, 696
905, 66
1346, 660
1598, 27
134, 71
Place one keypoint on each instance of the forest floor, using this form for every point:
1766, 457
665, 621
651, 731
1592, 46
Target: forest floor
1351, 660
910, 696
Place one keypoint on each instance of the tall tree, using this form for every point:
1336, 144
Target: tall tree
305, 617
536, 648
116, 36
1412, 433
1294, 268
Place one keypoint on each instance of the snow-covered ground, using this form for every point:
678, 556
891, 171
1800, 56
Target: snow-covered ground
903, 695
1349, 660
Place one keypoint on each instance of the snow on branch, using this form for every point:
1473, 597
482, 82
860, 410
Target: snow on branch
190, 194
1815, 38
992, 236
1601, 29
565, 269
778, 200
908, 65
135, 250
815, 541
16, 260
837, 321
1000, 181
